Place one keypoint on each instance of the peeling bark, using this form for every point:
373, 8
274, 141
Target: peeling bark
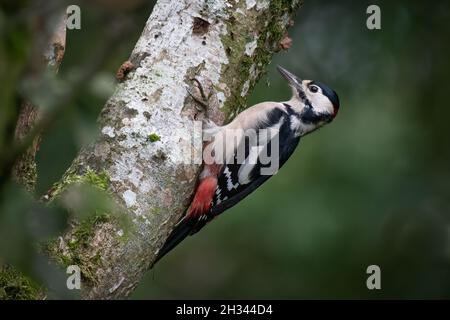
147, 125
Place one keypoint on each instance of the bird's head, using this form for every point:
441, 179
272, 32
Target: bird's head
317, 103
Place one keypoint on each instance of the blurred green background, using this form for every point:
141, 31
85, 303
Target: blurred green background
373, 187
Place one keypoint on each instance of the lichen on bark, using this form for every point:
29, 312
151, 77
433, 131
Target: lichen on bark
252, 49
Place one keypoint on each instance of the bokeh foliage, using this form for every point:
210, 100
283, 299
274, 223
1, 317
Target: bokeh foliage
370, 188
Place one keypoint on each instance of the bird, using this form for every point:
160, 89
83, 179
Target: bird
241, 155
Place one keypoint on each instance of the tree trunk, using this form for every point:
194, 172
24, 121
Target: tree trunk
147, 125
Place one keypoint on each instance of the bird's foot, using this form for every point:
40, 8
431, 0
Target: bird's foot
203, 100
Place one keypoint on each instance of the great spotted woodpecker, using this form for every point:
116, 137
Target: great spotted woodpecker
236, 162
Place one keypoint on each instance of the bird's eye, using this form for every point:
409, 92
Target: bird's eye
313, 89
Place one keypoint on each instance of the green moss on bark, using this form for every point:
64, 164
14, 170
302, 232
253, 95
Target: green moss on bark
25, 171
153, 137
78, 249
99, 180
82, 245
16, 286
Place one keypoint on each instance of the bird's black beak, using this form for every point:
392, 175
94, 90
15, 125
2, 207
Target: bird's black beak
291, 78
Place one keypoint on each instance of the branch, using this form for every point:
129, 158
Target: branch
24, 169
146, 127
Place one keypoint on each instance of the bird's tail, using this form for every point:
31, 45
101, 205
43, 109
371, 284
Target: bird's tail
196, 216
179, 233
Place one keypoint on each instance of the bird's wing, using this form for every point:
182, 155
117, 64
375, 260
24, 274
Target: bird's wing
238, 180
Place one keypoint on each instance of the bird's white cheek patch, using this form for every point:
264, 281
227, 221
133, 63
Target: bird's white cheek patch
321, 104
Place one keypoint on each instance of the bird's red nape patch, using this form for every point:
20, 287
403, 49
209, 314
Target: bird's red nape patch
335, 111
203, 197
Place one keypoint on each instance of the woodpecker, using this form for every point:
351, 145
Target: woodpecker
224, 180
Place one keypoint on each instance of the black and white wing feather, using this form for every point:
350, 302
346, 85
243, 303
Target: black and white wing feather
237, 181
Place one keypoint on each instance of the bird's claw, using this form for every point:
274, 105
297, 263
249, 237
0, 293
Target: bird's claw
203, 102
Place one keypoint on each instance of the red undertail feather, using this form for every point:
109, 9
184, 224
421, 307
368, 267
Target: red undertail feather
203, 197
199, 207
